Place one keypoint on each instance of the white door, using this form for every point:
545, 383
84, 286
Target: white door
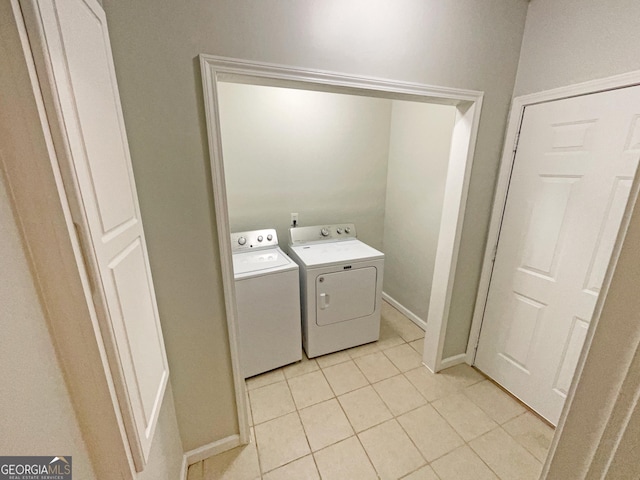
75, 68
568, 191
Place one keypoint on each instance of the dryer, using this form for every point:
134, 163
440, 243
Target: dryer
340, 287
267, 302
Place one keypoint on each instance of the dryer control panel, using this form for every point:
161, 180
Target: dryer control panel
253, 240
322, 233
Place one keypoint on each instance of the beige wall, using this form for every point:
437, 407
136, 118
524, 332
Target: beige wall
37, 414
572, 41
465, 44
418, 161
319, 154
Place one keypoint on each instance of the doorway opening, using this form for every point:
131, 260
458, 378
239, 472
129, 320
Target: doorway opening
223, 74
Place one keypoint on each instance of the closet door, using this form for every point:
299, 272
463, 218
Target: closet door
71, 46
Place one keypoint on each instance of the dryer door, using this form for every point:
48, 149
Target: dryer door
345, 295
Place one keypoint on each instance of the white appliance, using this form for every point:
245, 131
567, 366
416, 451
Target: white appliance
268, 302
340, 285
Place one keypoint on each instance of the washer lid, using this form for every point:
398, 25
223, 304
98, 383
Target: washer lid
335, 252
260, 261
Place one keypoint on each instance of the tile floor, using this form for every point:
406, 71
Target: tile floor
375, 412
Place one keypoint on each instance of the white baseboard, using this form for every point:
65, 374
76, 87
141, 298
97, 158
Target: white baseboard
405, 311
453, 361
206, 451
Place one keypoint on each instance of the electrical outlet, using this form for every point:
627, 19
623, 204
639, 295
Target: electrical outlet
294, 219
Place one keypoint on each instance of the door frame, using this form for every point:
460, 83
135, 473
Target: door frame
468, 104
518, 106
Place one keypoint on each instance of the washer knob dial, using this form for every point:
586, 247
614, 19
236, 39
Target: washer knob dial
339, 230
325, 232
260, 238
242, 241
269, 237
347, 230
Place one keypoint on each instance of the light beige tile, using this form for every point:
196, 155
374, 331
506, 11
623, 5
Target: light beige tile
532, 433
462, 375
302, 469
390, 450
399, 394
424, 473
404, 357
345, 460
310, 389
462, 464
431, 385
464, 416
265, 379
432, 435
364, 408
325, 424
345, 377
376, 367
388, 336
300, 368
240, 463
418, 346
506, 457
195, 471
270, 402
333, 358
362, 350
499, 405
280, 441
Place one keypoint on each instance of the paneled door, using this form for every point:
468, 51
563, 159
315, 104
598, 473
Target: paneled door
71, 47
569, 186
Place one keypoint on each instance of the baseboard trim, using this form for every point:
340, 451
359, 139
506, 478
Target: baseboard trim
206, 451
405, 311
453, 361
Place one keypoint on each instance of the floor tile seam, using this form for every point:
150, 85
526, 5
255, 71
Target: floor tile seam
387, 405
520, 443
295, 406
477, 454
391, 360
365, 450
428, 464
497, 424
359, 370
249, 388
488, 414
300, 374
416, 388
255, 437
337, 363
293, 460
499, 427
408, 436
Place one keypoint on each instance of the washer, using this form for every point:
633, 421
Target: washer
340, 286
268, 302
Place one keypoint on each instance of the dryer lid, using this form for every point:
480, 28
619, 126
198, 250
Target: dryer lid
326, 253
260, 261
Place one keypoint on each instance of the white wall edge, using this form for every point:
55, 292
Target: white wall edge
184, 469
211, 449
468, 103
504, 175
463, 142
404, 310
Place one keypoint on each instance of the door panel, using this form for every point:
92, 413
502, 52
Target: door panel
345, 295
83, 108
568, 191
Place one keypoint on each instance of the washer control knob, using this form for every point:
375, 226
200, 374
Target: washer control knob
325, 232
338, 230
242, 241
260, 238
347, 230
269, 237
